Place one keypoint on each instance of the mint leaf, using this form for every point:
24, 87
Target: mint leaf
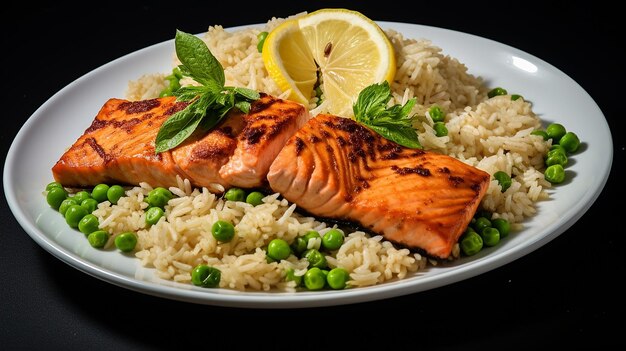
210, 102
225, 99
198, 61
176, 129
392, 122
189, 93
403, 136
372, 102
243, 106
247, 93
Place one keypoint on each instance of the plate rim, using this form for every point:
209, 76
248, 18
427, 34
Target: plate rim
252, 299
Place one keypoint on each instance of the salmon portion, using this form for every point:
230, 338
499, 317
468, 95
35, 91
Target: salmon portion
267, 127
337, 168
118, 147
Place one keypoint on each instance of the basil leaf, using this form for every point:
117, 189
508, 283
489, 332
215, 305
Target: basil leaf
225, 99
198, 61
227, 106
210, 102
372, 101
184, 71
406, 109
189, 93
243, 106
213, 118
176, 129
391, 122
404, 136
182, 124
203, 103
247, 93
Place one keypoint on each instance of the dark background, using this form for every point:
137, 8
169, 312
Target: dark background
568, 292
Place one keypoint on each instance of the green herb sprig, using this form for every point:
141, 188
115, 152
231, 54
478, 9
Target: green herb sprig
392, 122
209, 102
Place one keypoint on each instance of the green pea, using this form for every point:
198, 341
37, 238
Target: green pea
481, 223
82, 195
490, 236
89, 204
555, 174
516, 97
278, 249
556, 149
206, 276
99, 192
570, 142
177, 73
541, 133
559, 148
126, 241
98, 239
503, 226
483, 213
436, 114
315, 258
268, 259
261, 37
556, 156
310, 235
158, 197
74, 214
325, 271
440, 129
174, 83
314, 279
235, 194
332, 239
471, 243
66, 204
88, 224
496, 91
503, 179
298, 246
290, 275
114, 193
555, 132
53, 185
55, 197
255, 198
153, 215
337, 278
223, 231
319, 92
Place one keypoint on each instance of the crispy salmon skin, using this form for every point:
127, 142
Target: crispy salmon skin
337, 168
119, 146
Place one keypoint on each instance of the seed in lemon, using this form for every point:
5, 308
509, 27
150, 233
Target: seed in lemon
340, 49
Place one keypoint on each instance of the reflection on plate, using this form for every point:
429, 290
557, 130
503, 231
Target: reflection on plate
67, 114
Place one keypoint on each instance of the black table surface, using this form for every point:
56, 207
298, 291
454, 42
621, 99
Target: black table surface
568, 292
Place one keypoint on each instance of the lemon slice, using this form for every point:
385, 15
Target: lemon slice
342, 49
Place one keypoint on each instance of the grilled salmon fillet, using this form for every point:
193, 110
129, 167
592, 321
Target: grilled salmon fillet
336, 168
119, 146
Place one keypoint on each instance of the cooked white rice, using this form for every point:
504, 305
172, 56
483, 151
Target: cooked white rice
182, 239
492, 134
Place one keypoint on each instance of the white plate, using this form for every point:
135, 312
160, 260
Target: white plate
65, 116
